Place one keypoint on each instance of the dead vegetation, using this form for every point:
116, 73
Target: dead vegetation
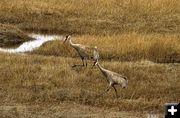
33, 79
93, 16
131, 35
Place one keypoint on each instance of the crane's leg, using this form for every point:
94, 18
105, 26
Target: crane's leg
82, 59
104, 92
115, 91
86, 61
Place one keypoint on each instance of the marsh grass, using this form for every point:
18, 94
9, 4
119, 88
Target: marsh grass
33, 79
131, 35
123, 47
93, 16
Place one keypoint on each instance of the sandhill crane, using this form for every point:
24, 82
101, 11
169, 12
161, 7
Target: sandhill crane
112, 77
83, 51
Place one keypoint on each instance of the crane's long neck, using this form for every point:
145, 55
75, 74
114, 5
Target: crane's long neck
104, 72
72, 44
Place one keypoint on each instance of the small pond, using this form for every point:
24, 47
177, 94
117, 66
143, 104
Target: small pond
34, 44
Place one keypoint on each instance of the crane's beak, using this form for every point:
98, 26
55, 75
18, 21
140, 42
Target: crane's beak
65, 40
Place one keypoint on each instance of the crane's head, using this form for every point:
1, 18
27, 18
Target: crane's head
95, 56
67, 38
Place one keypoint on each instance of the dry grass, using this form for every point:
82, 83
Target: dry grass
93, 16
128, 30
11, 36
124, 47
63, 110
32, 79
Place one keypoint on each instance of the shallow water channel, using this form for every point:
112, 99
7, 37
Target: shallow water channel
34, 44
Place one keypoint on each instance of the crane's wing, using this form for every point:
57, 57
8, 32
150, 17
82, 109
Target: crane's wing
85, 50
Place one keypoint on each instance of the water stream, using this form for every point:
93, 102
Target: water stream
34, 44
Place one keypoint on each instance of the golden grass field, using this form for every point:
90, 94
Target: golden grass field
33, 79
123, 47
136, 38
93, 16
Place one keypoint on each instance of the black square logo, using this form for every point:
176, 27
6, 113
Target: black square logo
172, 110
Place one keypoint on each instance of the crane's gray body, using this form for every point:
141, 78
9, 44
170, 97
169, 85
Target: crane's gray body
113, 78
83, 51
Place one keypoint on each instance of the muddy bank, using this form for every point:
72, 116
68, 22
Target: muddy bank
10, 36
